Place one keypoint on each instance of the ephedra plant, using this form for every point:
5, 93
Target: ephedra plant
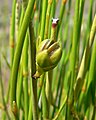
52, 61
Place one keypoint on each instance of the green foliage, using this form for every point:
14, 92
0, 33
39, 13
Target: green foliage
52, 61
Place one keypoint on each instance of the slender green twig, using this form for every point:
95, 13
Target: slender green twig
84, 62
12, 31
25, 76
17, 20
62, 9
45, 108
43, 18
73, 54
93, 58
53, 8
74, 43
30, 114
33, 70
59, 111
40, 84
25, 69
47, 18
2, 92
18, 51
20, 85
3, 55
89, 23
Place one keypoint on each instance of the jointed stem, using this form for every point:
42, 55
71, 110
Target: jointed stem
18, 51
33, 70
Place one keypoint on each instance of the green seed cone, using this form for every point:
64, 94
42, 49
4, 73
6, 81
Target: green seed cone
49, 54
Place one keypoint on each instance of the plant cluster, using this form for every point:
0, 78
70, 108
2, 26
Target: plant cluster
52, 63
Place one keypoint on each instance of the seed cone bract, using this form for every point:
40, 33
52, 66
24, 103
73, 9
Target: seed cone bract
48, 56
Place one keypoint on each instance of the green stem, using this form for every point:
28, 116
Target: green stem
62, 9
49, 87
73, 54
25, 76
84, 62
47, 18
43, 19
17, 20
59, 84
30, 102
18, 51
67, 23
2, 93
12, 31
45, 107
33, 70
74, 43
61, 108
40, 84
89, 23
79, 27
53, 8
20, 86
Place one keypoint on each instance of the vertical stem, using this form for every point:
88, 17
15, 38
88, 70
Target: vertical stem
47, 18
40, 84
49, 86
18, 51
12, 31
25, 68
53, 8
73, 56
25, 77
12, 40
74, 43
33, 70
84, 63
20, 86
30, 102
62, 9
17, 19
45, 107
89, 23
2, 92
79, 27
43, 19
93, 57
67, 23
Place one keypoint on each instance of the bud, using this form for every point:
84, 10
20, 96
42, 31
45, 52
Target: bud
49, 54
